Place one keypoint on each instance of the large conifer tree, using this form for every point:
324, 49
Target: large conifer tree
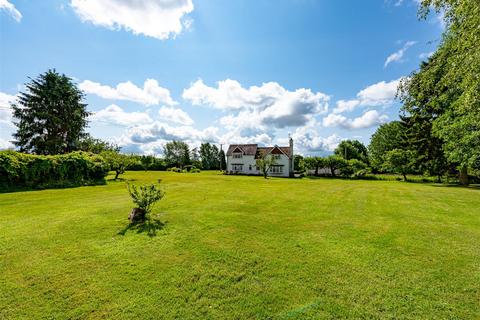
50, 115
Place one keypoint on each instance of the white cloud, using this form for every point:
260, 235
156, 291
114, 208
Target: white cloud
398, 56
368, 119
5, 144
152, 137
151, 94
6, 112
175, 115
11, 10
161, 19
268, 104
307, 140
378, 94
346, 105
113, 114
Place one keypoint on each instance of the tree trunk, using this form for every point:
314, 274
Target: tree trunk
316, 171
137, 215
404, 177
117, 173
464, 176
332, 170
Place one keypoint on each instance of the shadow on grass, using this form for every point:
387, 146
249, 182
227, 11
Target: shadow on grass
45, 186
150, 227
451, 185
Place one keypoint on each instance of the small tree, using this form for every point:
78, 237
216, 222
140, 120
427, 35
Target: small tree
265, 164
117, 162
400, 161
144, 197
334, 163
91, 144
314, 163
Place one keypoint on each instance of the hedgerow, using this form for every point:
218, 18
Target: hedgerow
27, 170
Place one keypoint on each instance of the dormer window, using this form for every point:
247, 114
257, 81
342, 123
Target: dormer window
237, 155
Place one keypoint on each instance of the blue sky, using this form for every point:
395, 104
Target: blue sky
219, 71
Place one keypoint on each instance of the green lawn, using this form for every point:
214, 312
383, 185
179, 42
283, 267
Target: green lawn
233, 247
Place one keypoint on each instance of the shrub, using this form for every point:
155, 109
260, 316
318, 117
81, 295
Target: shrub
145, 196
27, 170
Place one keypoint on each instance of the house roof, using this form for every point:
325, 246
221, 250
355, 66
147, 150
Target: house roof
247, 149
258, 152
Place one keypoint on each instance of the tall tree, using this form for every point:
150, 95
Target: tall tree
388, 136
50, 115
352, 149
453, 73
177, 153
209, 156
223, 162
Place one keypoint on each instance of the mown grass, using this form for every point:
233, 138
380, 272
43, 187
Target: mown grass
233, 247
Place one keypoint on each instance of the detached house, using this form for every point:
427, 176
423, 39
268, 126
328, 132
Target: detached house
241, 159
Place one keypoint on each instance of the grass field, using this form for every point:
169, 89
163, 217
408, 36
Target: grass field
233, 247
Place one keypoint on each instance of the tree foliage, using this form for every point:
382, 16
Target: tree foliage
334, 163
209, 155
93, 145
388, 136
265, 163
314, 163
145, 196
50, 115
447, 87
177, 153
352, 149
117, 162
400, 161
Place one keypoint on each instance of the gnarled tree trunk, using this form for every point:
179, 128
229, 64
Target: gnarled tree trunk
137, 215
463, 176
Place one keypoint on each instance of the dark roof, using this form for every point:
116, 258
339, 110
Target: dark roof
262, 151
255, 150
247, 149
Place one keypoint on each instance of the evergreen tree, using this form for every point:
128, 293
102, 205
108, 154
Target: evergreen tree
222, 159
209, 155
50, 115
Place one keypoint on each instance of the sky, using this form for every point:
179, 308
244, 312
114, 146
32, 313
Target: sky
224, 72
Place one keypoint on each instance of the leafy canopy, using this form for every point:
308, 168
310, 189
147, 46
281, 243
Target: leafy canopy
50, 115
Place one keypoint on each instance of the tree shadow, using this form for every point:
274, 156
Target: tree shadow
469, 187
150, 227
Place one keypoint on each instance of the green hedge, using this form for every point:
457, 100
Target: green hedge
27, 170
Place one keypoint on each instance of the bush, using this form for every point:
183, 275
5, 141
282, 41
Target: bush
145, 196
27, 170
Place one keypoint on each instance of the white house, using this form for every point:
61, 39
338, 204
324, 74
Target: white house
241, 159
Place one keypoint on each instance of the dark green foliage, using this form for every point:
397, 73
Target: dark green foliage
209, 155
146, 162
145, 196
314, 163
50, 115
400, 161
334, 163
388, 136
91, 144
298, 163
222, 159
354, 168
352, 149
445, 92
26, 170
177, 153
118, 162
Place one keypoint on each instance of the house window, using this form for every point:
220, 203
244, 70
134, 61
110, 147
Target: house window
276, 169
237, 167
237, 156
250, 167
276, 156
